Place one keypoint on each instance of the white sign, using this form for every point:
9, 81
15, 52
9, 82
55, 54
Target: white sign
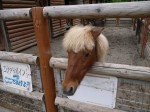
97, 90
17, 75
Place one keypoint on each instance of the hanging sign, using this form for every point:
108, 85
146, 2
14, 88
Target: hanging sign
17, 75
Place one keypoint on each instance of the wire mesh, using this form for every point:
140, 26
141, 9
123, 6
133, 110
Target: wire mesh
132, 95
19, 103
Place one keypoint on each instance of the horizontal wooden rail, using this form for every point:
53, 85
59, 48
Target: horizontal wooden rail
82, 107
106, 10
11, 14
110, 69
19, 57
32, 95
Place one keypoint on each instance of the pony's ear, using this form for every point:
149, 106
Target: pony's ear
96, 31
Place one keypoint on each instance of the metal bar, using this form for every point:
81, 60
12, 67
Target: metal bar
106, 10
41, 30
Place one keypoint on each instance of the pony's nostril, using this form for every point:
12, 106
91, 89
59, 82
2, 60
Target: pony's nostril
69, 91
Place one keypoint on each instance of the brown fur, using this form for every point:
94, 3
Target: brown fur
85, 45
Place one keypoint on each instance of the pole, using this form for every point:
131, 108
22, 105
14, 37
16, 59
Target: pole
43, 42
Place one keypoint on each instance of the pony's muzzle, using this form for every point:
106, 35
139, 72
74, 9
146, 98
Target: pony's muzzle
69, 91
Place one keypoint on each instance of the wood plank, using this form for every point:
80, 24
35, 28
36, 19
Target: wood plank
24, 47
22, 37
18, 6
22, 44
10, 14
19, 57
82, 107
16, 22
58, 34
110, 69
42, 30
33, 95
17, 2
105, 10
15, 26
21, 33
22, 40
20, 29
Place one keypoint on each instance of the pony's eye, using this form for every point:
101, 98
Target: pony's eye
86, 54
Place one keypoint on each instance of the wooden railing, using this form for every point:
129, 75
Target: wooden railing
40, 15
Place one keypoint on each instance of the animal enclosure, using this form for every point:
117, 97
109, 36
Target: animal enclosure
17, 99
132, 90
125, 96
130, 78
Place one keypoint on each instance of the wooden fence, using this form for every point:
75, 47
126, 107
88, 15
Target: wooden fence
132, 90
36, 95
40, 15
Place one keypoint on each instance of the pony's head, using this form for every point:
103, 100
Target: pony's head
85, 45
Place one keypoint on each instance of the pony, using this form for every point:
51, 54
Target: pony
85, 45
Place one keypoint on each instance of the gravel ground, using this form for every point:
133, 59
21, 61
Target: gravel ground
2, 109
122, 47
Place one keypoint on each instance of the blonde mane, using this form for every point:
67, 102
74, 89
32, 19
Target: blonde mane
80, 38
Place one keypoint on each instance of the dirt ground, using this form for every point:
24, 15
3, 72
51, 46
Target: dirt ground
2, 109
122, 47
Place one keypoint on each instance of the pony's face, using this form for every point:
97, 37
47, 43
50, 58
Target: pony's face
82, 53
78, 65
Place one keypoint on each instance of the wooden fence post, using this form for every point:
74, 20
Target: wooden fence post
43, 42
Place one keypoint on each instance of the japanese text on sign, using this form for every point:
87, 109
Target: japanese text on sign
17, 75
